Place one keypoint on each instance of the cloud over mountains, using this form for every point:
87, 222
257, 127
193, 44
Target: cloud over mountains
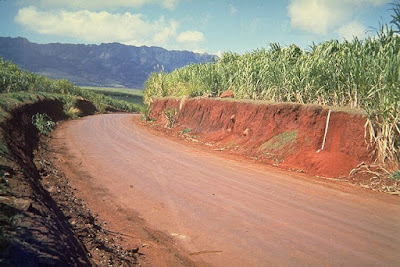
85, 20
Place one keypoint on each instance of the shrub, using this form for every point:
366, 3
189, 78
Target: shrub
171, 115
146, 110
43, 123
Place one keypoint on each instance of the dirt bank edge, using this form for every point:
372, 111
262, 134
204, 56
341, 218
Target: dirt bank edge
42, 222
34, 230
284, 135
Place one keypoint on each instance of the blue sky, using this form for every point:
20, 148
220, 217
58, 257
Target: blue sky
202, 26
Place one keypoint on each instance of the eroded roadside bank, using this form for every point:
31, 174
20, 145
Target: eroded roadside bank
42, 222
289, 136
34, 230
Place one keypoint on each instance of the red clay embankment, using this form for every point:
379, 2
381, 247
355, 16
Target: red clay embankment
288, 135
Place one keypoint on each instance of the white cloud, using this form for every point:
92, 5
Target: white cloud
97, 27
190, 37
351, 30
232, 9
321, 16
102, 4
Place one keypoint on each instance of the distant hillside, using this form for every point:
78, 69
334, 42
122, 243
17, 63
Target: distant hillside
113, 65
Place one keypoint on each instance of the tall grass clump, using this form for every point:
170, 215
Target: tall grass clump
360, 74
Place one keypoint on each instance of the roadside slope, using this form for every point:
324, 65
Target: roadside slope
34, 231
286, 135
42, 223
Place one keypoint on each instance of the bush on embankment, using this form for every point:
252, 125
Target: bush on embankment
357, 74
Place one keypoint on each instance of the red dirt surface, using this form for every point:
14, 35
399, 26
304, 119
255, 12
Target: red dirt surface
258, 131
219, 211
90, 185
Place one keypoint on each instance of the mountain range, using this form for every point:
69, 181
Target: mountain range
109, 65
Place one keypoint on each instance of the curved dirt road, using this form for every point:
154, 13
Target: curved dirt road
228, 213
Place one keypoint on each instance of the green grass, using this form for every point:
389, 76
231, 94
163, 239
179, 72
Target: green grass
280, 145
13, 100
280, 141
186, 131
129, 91
134, 96
396, 175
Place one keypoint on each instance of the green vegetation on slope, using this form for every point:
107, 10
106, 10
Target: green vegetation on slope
134, 96
13, 79
355, 74
9, 102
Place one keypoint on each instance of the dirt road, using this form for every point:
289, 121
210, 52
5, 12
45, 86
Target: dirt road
225, 212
